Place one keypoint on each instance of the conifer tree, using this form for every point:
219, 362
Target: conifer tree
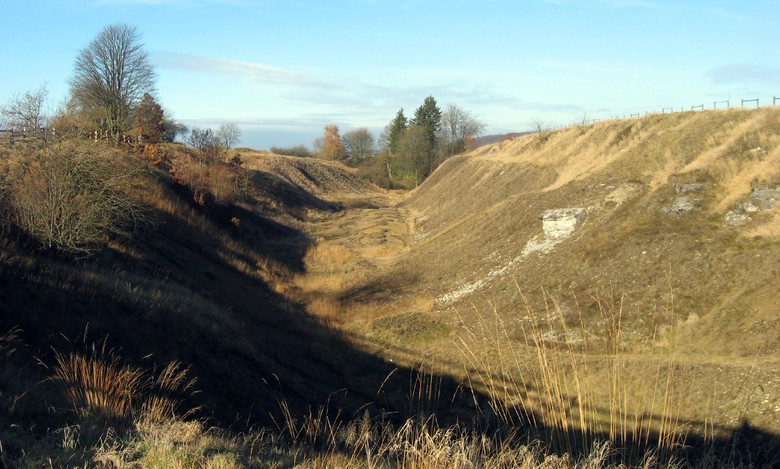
396, 129
428, 117
149, 120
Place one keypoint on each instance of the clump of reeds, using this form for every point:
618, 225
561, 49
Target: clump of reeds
317, 440
101, 388
570, 387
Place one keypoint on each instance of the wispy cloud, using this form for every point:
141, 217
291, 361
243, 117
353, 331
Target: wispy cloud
745, 73
250, 71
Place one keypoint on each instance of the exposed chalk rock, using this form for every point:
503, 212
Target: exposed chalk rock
688, 187
560, 223
736, 218
765, 198
680, 205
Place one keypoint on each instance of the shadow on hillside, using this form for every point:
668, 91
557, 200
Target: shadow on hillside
252, 350
290, 197
742, 446
175, 294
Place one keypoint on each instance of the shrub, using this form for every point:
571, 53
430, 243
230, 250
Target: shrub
213, 180
71, 199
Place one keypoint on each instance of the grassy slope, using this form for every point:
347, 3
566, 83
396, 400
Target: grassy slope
688, 285
487, 206
233, 299
204, 286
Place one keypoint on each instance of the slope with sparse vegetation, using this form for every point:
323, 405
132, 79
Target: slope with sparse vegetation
593, 296
643, 250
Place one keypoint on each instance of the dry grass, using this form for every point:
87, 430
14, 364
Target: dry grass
101, 388
9, 341
579, 389
582, 380
421, 443
172, 443
328, 257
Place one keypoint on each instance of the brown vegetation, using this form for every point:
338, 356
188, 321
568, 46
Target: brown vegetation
337, 324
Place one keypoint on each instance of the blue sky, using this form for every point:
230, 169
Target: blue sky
282, 69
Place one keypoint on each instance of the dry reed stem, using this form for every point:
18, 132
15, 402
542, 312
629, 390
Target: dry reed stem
570, 401
101, 388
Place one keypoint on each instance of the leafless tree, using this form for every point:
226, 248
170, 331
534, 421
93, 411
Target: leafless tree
229, 134
112, 74
72, 199
457, 131
27, 111
207, 142
542, 130
359, 144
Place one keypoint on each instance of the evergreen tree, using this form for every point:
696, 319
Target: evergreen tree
149, 120
396, 128
428, 117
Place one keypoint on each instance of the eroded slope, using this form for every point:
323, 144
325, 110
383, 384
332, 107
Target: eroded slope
650, 238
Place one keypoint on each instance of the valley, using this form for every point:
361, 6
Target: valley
611, 282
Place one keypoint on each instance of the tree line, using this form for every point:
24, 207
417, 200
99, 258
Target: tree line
112, 94
410, 149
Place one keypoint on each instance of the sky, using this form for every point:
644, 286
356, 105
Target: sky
283, 69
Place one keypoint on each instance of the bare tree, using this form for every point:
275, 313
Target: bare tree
72, 200
457, 131
542, 130
359, 144
229, 134
27, 111
205, 140
112, 74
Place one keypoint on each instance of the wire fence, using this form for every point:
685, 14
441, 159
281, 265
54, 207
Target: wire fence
743, 103
24, 134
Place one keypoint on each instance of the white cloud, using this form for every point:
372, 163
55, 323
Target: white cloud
250, 71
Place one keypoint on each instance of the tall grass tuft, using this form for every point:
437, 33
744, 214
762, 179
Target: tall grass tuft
571, 388
98, 385
103, 389
421, 443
